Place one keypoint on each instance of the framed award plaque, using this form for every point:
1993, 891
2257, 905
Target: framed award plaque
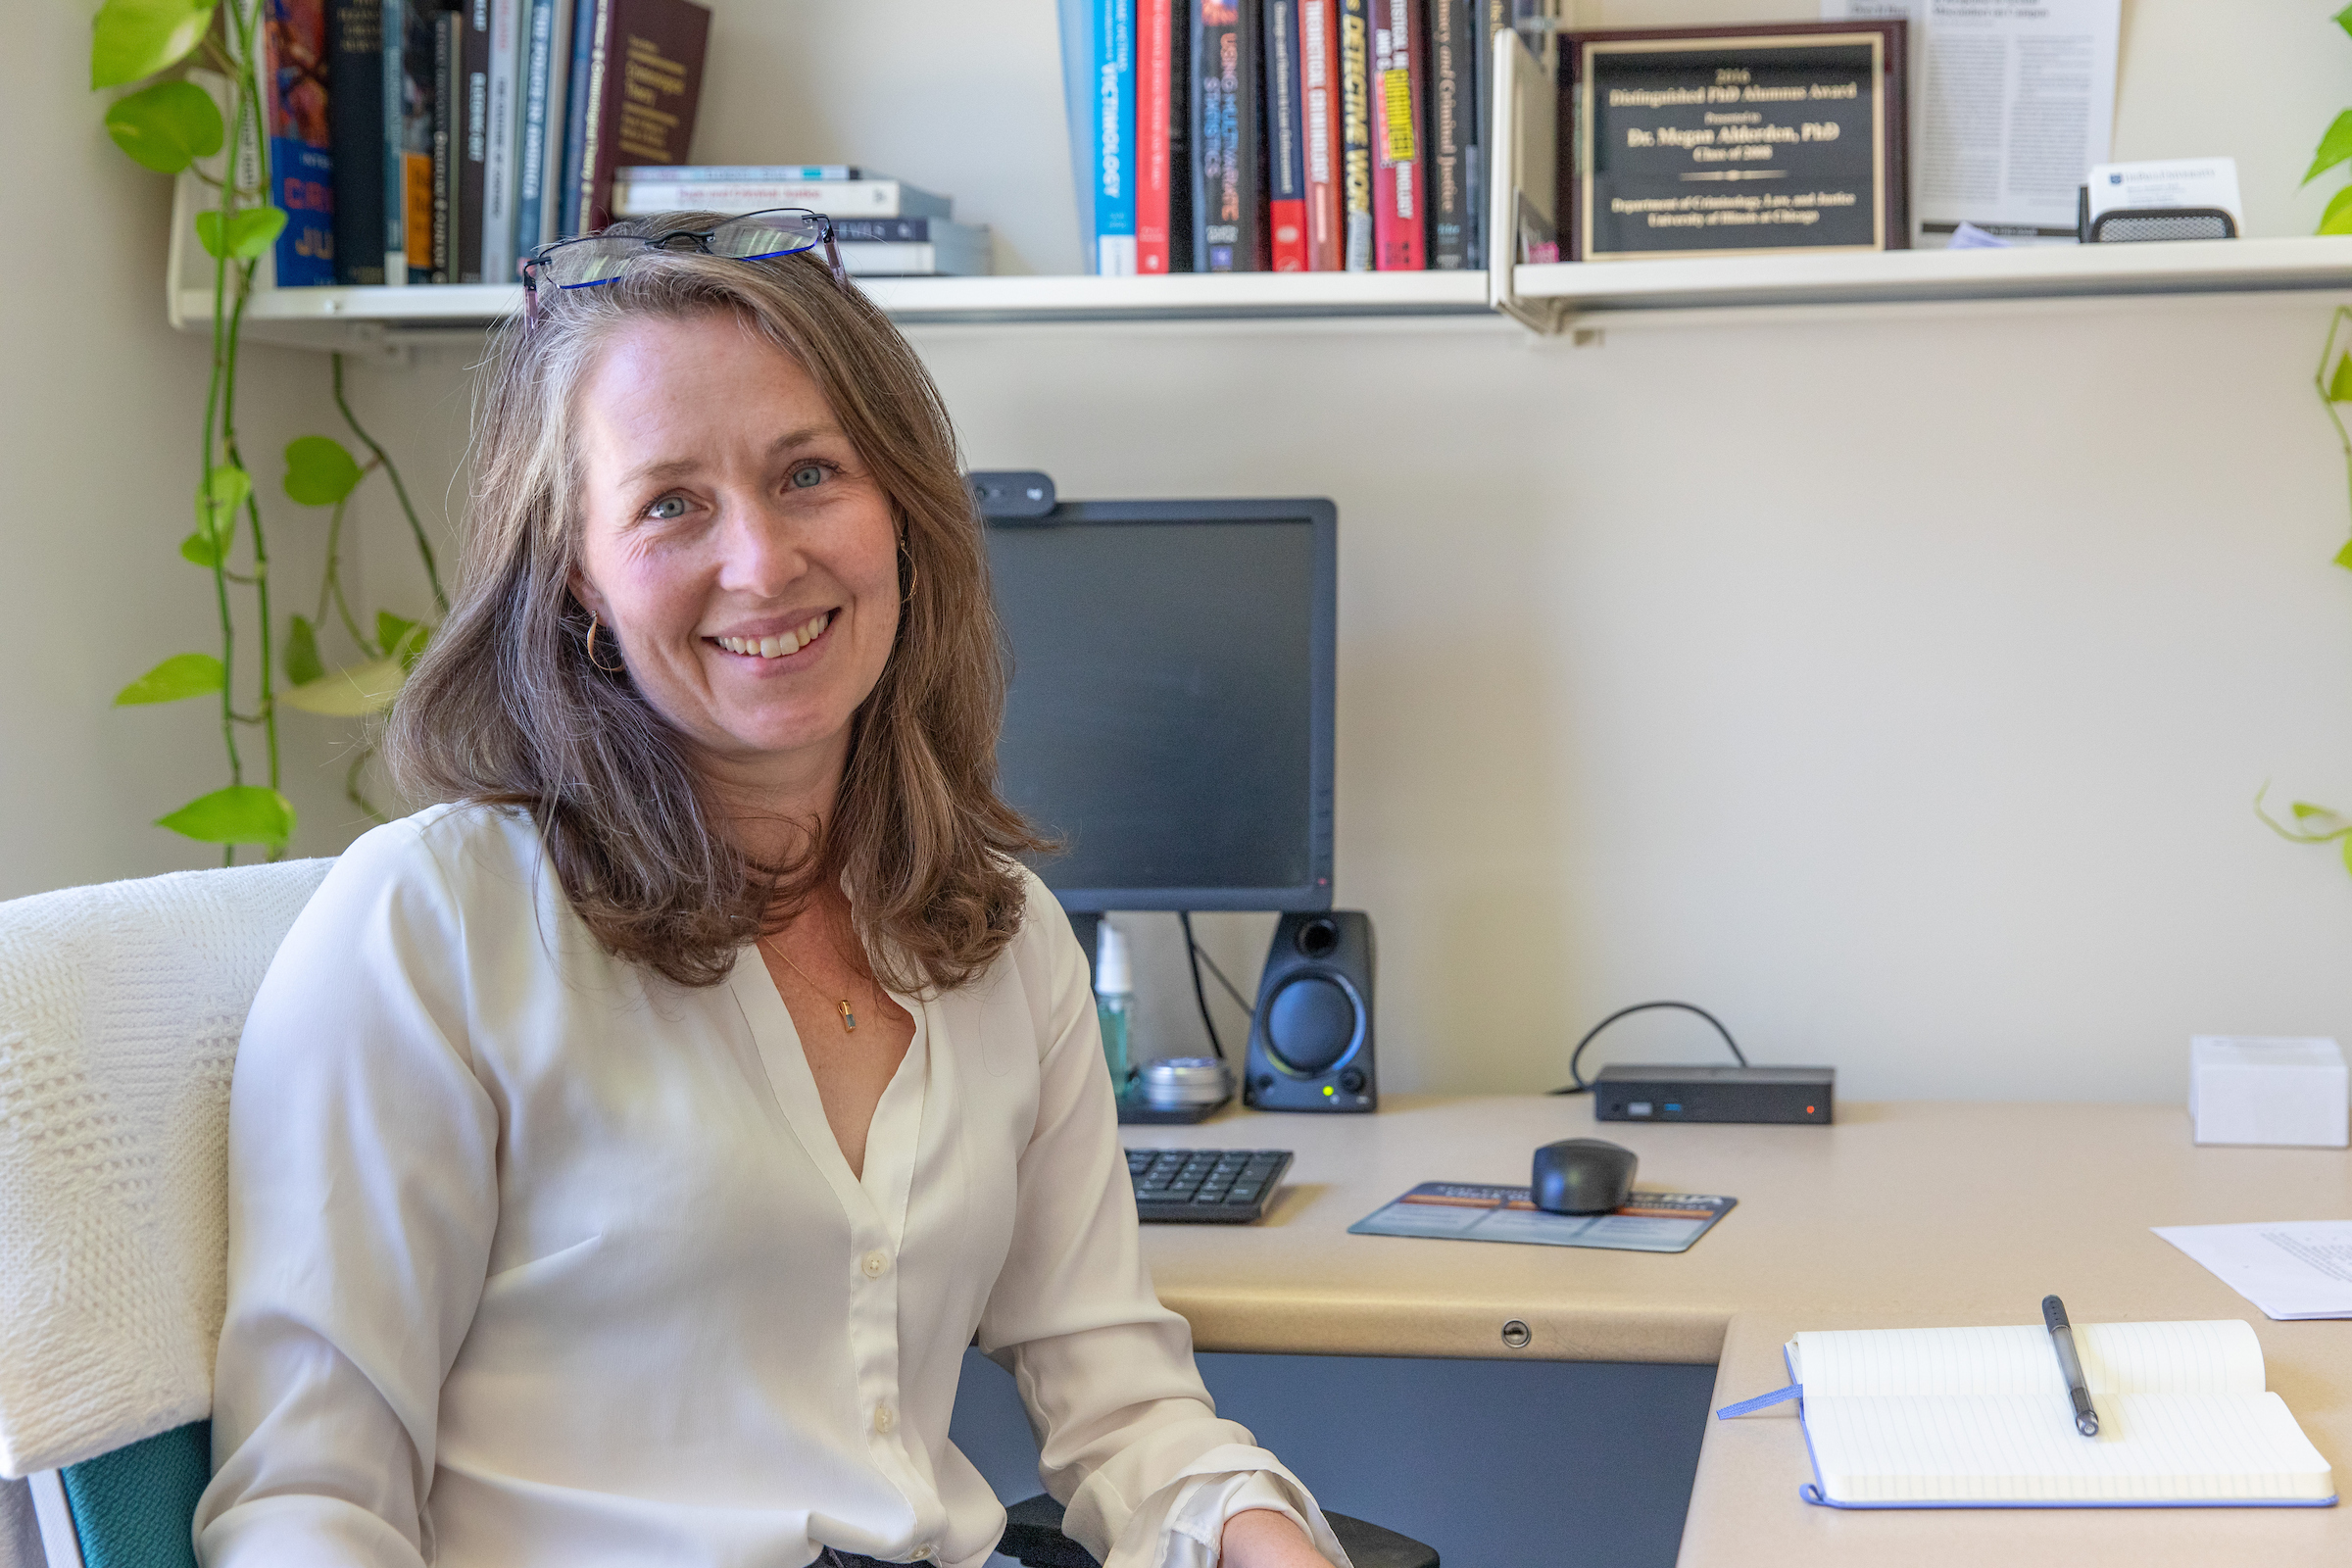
1721, 141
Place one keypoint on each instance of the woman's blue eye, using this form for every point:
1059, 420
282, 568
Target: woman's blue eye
667, 510
806, 474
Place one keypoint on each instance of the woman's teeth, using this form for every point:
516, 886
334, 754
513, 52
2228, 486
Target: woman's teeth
791, 642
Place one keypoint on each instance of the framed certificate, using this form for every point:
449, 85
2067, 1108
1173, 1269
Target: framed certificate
1720, 141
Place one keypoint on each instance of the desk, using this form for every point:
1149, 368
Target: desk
1900, 1214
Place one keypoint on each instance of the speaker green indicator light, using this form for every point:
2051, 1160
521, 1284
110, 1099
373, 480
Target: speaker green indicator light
1328, 1090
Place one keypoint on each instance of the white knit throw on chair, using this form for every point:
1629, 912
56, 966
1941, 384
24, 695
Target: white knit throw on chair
120, 1006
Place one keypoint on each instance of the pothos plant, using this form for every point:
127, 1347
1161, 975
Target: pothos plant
2320, 825
194, 66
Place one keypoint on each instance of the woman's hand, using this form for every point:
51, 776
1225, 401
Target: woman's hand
1261, 1538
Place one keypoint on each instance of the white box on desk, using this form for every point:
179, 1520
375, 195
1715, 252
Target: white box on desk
2273, 1090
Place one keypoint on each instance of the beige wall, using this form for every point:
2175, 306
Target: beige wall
1894, 683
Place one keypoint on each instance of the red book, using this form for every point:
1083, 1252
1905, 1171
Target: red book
1399, 222
1286, 155
1319, 115
1154, 79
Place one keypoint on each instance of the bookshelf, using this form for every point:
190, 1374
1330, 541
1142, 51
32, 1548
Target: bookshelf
1550, 296
1545, 298
372, 317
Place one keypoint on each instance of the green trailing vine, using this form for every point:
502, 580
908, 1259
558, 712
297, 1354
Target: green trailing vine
2332, 380
196, 96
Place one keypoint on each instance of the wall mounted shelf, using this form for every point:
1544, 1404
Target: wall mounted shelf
359, 317
1554, 295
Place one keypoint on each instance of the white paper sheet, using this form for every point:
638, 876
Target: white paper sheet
2011, 104
2291, 1269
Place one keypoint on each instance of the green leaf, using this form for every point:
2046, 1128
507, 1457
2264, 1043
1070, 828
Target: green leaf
401, 638
251, 231
302, 664
168, 126
242, 814
218, 495
2334, 149
2339, 385
2343, 18
202, 549
2347, 851
2338, 219
181, 676
2343, 557
318, 471
134, 38
349, 692
2304, 811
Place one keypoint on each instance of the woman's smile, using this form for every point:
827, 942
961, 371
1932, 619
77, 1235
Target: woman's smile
781, 649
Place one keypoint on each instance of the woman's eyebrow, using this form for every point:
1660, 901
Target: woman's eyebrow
659, 468
807, 435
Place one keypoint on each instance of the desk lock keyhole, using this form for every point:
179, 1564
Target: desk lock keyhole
1516, 1335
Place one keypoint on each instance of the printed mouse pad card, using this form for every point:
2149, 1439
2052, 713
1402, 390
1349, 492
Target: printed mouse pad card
1464, 1211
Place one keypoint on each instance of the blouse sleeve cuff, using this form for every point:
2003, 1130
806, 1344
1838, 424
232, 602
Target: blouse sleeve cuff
1182, 1525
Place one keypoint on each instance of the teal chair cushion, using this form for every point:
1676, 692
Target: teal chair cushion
133, 1509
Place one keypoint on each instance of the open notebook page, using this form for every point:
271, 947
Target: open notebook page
2023, 1449
2220, 1357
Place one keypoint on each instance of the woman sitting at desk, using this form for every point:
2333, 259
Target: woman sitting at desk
623, 1155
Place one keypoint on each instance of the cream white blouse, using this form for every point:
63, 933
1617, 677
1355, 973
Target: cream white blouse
536, 1258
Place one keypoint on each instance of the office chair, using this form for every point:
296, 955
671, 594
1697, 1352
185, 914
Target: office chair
1033, 1535
121, 1008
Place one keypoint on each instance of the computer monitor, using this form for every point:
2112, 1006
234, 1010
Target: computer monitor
1170, 716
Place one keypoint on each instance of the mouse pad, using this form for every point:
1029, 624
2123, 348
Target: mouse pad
1464, 1211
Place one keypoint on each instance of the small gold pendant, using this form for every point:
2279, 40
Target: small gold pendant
849, 1019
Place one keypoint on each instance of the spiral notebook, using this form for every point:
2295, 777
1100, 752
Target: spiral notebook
1979, 1418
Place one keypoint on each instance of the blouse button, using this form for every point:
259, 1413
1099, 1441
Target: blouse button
875, 1264
883, 1419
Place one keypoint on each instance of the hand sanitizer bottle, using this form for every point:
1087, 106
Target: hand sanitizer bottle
1114, 995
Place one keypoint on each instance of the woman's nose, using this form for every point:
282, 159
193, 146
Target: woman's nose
762, 555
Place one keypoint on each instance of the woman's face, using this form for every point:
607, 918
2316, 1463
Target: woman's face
735, 547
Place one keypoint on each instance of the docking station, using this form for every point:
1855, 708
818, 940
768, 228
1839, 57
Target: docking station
1792, 1096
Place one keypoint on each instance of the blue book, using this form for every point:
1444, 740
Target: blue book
531, 185
742, 174
1115, 138
301, 166
1078, 102
391, 137
586, 18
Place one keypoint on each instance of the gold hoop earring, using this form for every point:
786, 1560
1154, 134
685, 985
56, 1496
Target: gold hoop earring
610, 669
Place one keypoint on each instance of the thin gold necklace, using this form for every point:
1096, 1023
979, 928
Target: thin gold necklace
849, 1019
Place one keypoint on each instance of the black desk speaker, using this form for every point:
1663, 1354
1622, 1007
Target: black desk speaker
1310, 1044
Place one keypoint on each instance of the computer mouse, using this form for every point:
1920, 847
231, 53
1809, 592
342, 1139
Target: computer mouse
1582, 1176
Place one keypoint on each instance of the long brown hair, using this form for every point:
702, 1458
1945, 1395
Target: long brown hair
506, 707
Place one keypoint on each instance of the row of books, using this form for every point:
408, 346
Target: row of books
883, 227
426, 142
1283, 136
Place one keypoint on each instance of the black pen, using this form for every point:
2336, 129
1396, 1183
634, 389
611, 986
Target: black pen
2070, 1365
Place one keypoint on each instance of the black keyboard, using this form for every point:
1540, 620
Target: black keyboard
1205, 1186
